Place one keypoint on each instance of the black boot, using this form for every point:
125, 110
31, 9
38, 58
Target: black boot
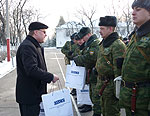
86, 108
81, 107
73, 92
96, 114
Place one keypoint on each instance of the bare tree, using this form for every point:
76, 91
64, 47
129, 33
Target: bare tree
86, 14
122, 10
72, 27
29, 15
2, 23
127, 15
17, 18
2, 29
21, 16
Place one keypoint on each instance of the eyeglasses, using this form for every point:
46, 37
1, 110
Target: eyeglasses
42, 31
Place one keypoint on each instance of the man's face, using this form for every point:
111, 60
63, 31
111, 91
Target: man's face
104, 31
86, 37
140, 16
80, 42
40, 35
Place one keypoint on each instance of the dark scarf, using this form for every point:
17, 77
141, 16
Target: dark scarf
143, 30
33, 40
110, 39
37, 45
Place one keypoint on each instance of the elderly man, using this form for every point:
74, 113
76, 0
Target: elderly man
32, 74
135, 95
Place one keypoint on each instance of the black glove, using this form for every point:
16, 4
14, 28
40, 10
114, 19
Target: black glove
75, 60
70, 58
70, 53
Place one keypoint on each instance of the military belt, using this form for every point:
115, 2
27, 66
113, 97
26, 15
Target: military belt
137, 84
104, 78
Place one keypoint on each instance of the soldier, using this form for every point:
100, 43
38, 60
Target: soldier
96, 97
108, 65
88, 59
135, 95
69, 48
81, 45
77, 51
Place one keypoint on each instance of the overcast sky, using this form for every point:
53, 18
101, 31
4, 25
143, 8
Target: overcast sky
53, 9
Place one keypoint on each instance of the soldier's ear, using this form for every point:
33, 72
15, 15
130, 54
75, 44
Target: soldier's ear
112, 28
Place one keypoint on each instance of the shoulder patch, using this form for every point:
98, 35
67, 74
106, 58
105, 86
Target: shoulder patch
91, 52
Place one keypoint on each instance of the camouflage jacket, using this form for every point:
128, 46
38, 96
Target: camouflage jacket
68, 47
78, 50
110, 56
136, 67
87, 58
88, 55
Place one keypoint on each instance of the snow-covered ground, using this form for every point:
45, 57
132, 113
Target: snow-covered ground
6, 67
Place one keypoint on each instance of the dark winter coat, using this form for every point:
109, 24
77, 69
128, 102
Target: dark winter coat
32, 75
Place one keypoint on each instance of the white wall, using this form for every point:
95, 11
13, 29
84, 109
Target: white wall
61, 37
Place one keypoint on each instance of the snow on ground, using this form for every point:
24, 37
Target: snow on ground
6, 67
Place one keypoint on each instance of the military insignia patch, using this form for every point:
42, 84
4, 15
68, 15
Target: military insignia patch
91, 52
145, 39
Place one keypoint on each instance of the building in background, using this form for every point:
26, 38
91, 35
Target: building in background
64, 32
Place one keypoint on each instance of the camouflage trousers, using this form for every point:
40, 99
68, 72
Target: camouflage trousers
96, 99
92, 88
110, 106
137, 112
142, 100
108, 103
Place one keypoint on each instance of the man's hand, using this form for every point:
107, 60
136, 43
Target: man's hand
55, 78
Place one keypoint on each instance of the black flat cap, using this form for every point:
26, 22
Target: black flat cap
83, 31
37, 26
108, 21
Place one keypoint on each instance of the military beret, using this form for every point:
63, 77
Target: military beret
142, 4
108, 21
73, 35
83, 31
37, 26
